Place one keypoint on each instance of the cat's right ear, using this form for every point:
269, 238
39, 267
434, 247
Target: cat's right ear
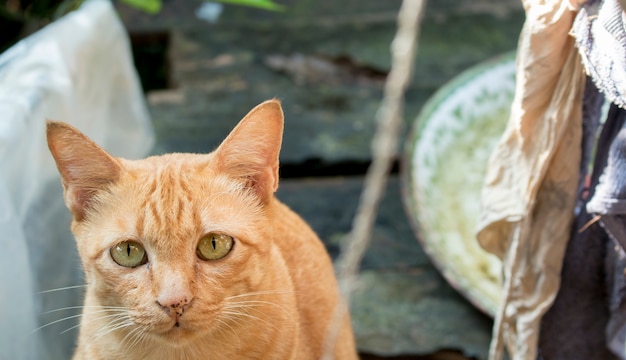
251, 150
85, 168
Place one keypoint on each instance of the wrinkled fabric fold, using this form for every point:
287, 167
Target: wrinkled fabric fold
530, 189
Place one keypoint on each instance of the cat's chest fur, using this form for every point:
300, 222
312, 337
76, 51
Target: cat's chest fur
190, 256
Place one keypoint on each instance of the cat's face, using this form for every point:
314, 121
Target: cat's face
178, 246
174, 236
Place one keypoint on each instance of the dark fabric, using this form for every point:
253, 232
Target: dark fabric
574, 327
609, 202
588, 317
609, 177
593, 101
616, 288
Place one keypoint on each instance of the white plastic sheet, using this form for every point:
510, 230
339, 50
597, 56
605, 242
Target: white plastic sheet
78, 70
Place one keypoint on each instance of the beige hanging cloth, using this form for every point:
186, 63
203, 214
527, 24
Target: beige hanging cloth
530, 189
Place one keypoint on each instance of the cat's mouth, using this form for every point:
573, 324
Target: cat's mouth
178, 325
177, 334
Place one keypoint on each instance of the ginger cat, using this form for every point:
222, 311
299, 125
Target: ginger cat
190, 256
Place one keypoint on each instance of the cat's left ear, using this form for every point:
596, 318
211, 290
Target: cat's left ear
85, 168
251, 150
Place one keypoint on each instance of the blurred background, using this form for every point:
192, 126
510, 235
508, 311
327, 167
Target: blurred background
204, 65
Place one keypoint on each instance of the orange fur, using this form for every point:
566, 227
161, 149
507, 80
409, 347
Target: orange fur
271, 297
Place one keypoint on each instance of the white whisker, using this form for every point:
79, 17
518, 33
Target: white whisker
225, 323
56, 321
243, 314
61, 289
69, 329
112, 326
85, 307
101, 309
133, 338
140, 339
253, 304
265, 292
96, 319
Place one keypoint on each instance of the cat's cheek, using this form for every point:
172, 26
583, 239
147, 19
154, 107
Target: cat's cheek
118, 284
211, 274
245, 270
216, 280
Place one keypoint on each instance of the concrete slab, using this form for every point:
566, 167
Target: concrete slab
326, 60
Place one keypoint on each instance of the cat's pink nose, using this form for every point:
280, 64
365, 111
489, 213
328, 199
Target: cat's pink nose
175, 308
174, 305
175, 296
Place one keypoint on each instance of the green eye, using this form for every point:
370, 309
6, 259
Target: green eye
129, 254
214, 246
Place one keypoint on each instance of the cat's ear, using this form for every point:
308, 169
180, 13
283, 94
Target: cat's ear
251, 150
85, 168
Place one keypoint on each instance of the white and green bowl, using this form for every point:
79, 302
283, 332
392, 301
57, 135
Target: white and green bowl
443, 170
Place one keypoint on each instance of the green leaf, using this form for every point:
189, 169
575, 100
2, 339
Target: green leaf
261, 4
149, 6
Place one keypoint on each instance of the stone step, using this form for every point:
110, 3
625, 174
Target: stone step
325, 60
